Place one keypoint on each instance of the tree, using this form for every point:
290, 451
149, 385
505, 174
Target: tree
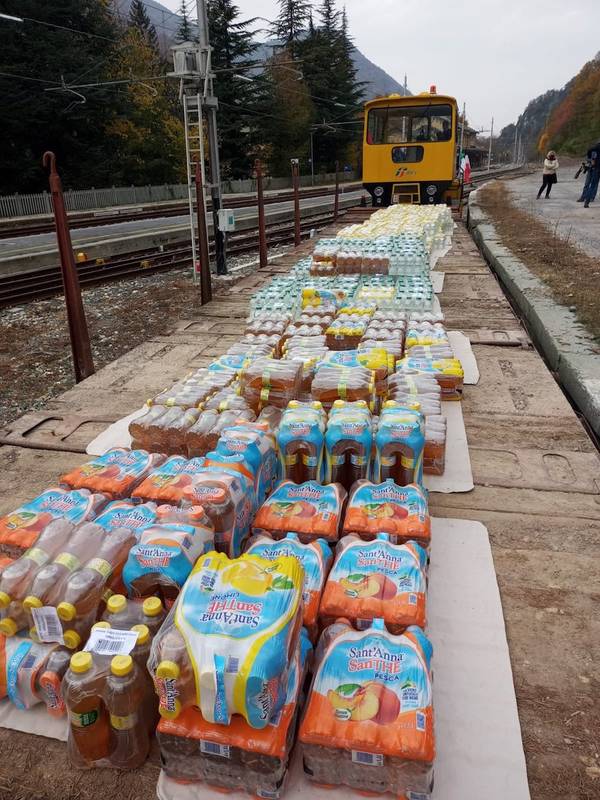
232, 49
184, 32
33, 120
328, 65
138, 18
291, 23
145, 136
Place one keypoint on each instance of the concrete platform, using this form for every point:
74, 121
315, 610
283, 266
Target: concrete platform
537, 479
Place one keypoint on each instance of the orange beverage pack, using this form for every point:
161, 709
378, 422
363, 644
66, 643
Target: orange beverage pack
23, 526
400, 511
309, 509
116, 473
369, 717
167, 483
377, 580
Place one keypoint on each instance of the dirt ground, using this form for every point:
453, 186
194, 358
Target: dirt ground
572, 275
35, 350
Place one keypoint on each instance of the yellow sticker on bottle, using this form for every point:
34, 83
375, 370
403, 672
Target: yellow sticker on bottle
125, 723
69, 561
101, 566
36, 555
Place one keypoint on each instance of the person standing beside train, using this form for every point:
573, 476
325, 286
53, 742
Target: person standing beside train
549, 176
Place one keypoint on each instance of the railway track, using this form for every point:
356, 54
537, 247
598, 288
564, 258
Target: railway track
46, 282
97, 218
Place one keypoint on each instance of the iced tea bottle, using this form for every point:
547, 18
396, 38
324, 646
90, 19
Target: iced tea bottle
172, 427
141, 654
126, 698
153, 614
16, 577
141, 429
174, 680
49, 681
120, 613
89, 732
271, 416
195, 437
48, 583
83, 591
348, 442
218, 504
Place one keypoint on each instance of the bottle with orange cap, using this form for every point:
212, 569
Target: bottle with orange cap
49, 681
126, 698
89, 726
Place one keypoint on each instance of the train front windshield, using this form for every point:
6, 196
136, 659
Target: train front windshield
406, 124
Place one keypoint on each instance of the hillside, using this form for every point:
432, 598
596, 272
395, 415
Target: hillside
377, 81
531, 123
574, 124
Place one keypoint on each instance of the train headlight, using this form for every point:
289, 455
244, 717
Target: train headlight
378, 191
431, 189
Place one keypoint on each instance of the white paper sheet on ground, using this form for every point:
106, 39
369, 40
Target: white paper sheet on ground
440, 252
461, 345
35, 720
437, 281
435, 305
458, 476
478, 736
116, 435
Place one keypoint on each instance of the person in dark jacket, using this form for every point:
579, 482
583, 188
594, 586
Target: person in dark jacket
592, 177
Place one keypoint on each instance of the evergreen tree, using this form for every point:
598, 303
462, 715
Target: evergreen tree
232, 49
291, 22
330, 18
184, 32
33, 120
138, 18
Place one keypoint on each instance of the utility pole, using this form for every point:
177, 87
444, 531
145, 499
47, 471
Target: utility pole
490, 150
515, 151
211, 104
462, 133
405, 85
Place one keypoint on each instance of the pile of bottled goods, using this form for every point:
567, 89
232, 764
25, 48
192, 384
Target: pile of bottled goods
251, 576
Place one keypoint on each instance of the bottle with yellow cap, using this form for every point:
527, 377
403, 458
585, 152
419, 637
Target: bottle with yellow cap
153, 614
89, 726
47, 586
120, 612
140, 654
83, 591
174, 680
126, 700
16, 577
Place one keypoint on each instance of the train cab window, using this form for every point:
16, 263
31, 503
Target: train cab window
405, 124
407, 155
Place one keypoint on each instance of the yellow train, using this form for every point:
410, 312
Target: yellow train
410, 149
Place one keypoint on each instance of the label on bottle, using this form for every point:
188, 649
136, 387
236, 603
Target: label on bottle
214, 749
371, 759
111, 642
387, 461
358, 461
264, 395
101, 566
36, 555
292, 459
85, 719
47, 624
125, 723
69, 561
12, 673
310, 461
407, 462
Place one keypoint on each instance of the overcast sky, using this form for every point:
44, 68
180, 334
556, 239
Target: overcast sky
495, 55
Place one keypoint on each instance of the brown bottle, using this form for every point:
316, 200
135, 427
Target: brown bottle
141, 654
126, 700
48, 583
82, 594
89, 731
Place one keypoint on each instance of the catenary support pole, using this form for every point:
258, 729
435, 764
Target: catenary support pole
295, 184
490, 148
203, 255
210, 106
80, 339
336, 199
262, 235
